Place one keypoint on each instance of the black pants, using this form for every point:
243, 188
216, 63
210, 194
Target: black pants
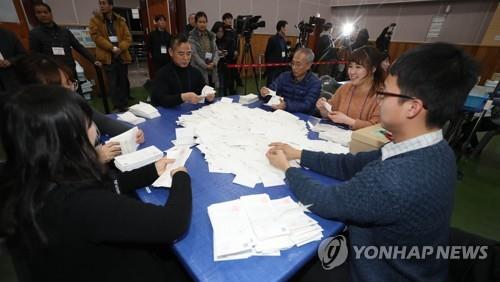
118, 83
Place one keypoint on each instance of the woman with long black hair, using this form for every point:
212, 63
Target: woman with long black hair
64, 216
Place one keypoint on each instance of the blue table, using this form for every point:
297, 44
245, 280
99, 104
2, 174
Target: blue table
195, 250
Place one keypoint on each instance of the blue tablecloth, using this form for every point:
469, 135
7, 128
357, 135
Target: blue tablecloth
195, 249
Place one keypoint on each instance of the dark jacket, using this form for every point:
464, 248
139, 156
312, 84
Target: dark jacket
276, 47
230, 43
156, 40
44, 37
325, 47
11, 48
95, 233
171, 81
299, 96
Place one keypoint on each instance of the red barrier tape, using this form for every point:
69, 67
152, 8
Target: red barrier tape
281, 64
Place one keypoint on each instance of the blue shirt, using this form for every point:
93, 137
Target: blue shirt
299, 96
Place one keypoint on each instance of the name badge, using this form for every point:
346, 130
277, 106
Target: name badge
163, 49
208, 56
113, 39
58, 51
283, 54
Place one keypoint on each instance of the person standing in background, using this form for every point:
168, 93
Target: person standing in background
158, 43
112, 39
205, 53
191, 24
232, 42
10, 48
276, 51
53, 40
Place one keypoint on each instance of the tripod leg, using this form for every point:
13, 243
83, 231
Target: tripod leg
254, 71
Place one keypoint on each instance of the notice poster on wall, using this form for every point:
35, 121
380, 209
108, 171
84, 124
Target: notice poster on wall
436, 26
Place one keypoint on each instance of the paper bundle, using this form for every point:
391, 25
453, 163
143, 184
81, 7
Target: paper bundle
130, 118
127, 141
138, 159
248, 99
207, 90
255, 225
144, 110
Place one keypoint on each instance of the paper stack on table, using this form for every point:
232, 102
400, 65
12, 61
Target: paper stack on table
234, 139
138, 159
333, 133
255, 225
127, 140
248, 99
130, 118
144, 110
180, 154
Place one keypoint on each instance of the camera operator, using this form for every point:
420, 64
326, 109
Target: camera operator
231, 42
384, 39
276, 51
325, 49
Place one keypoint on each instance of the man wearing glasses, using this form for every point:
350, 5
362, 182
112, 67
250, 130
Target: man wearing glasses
298, 88
402, 194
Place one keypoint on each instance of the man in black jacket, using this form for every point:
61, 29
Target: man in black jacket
191, 24
10, 48
276, 51
158, 44
50, 39
178, 82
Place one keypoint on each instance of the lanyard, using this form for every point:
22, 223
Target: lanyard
351, 93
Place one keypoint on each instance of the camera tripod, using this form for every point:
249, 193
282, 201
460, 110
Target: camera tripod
247, 58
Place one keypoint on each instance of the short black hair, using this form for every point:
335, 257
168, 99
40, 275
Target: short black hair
227, 16
158, 17
439, 74
217, 25
200, 14
43, 4
281, 24
178, 40
110, 2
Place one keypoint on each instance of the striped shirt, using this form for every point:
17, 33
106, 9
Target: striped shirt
393, 149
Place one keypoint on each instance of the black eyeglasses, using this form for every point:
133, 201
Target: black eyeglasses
382, 94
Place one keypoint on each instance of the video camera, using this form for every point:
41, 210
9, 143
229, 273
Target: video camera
311, 25
245, 25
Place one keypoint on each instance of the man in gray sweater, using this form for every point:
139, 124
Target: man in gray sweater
401, 196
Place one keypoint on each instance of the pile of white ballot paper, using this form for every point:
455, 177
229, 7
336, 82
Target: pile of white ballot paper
255, 225
235, 139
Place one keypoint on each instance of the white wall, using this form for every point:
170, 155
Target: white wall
465, 23
79, 12
271, 11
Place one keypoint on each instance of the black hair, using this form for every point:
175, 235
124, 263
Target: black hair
362, 38
43, 4
369, 57
39, 69
439, 74
178, 40
227, 16
158, 17
200, 14
217, 25
327, 26
110, 2
44, 133
280, 24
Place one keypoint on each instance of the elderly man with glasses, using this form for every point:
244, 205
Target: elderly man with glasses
299, 88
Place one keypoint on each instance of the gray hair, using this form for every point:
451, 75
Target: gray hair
308, 53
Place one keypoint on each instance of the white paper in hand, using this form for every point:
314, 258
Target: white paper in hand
127, 141
275, 100
207, 90
327, 106
180, 154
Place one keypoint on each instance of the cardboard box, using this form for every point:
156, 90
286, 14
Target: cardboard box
367, 139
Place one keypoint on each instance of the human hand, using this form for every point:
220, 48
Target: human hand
191, 97
161, 165
139, 137
108, 151
290, 152
277, 158
264, 91
339, 117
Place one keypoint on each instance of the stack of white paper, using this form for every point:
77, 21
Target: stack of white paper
138, 159
184, 136
130, 118
144, 110
234, 139
180, 154
127, 140
248, 99
333, 133
255, 225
